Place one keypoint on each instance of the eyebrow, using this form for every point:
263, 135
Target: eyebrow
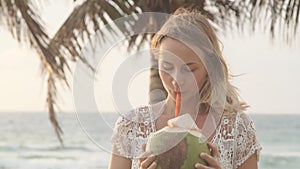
167, 62
190, 63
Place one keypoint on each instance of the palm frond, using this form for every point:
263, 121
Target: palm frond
83, 22
224, 13
277, 17
22, 21
51, 98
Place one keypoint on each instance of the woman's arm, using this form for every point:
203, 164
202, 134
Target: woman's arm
251, 162
117, 162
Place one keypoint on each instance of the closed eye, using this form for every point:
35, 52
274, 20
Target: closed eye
189, 69
167, 66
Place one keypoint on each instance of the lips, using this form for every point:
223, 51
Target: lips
175, 92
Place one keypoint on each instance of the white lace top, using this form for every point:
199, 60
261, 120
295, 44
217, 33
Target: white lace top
235, 137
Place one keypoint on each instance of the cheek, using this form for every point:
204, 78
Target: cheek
200, 84
165, 78
199, 79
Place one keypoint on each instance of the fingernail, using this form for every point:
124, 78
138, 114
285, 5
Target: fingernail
202, 155
197, 165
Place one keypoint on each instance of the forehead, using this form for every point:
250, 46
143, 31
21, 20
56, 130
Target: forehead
172, 50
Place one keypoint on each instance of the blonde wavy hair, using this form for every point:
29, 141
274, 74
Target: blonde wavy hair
191, 14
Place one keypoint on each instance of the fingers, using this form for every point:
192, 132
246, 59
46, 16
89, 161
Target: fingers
153, 165
214, 148
212, 161
148, 162
144, 156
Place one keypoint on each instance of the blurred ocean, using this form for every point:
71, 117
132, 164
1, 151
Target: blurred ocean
28, 141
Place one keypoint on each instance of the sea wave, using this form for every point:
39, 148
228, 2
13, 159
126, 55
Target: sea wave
282, 154
47, 157
54, 148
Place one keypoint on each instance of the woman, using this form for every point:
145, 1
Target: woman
190, 62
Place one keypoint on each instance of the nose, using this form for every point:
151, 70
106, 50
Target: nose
175, 85
177, 81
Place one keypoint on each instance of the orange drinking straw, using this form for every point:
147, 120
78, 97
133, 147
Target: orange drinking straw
178, 98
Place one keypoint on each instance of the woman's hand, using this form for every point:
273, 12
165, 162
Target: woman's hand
146, 160
212, 160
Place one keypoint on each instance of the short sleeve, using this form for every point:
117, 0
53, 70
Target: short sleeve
246, 140
123, 136
131, 131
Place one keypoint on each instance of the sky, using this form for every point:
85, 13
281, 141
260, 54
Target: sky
269, 71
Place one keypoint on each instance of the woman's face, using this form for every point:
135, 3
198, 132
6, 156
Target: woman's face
180, 69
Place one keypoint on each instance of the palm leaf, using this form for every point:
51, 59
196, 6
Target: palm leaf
24, 24
86, 19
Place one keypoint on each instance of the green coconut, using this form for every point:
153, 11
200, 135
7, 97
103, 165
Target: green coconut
178, 145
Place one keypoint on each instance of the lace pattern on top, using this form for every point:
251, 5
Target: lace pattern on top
236, 140
245, 139
235, 136
131, 131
